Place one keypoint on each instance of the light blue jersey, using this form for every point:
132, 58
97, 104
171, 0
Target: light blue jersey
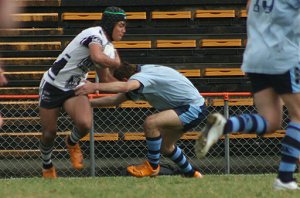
165, 88
273, 29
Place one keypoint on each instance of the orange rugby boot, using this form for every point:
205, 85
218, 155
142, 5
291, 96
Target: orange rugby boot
75, 155
143, 170
49, 173
197, 174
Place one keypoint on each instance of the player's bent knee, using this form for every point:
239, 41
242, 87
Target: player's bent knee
273, 128
49, 135
84, 127
166, 150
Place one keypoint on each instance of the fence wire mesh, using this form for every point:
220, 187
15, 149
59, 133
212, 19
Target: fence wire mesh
20, 155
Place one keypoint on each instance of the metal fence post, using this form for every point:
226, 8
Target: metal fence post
92, 149
227, 149
92, 142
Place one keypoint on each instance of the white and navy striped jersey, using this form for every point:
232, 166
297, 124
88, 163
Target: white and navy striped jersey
273, 45
72, 65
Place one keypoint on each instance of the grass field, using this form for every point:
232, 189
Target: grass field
163, 186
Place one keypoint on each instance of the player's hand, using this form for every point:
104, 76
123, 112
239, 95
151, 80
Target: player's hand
248, 5
86, 88
3, 80
1, 121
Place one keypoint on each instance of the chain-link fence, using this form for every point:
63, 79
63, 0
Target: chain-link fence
108, 152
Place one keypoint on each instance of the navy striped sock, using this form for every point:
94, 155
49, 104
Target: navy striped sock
179, 158
74, 137
46, 152
290, 152
153, 154
246, 123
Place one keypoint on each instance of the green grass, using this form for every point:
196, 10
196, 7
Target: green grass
163, 186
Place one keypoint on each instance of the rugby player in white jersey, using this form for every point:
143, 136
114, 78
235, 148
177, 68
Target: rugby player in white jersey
92, 49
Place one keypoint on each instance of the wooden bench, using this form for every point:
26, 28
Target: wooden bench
104, 137
35, 17
185, 72
97, 136
223, 72
37, 75
92, 16
276, 134
17, 153
215, 14
27, 105
23, 46
243, 13
132, 44
19, 90
27, 60
107, 137
131, 136
190, 72
25, 75
21, 121
37, 3
231, 102
30, 31
32, 75
171, 15
176, 43
221, 43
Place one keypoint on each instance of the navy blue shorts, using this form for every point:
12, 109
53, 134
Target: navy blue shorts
52, 97
285, 83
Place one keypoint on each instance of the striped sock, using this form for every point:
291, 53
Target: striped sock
46, 152
290, 152
153, 155
246, 123
179, 158
74, 137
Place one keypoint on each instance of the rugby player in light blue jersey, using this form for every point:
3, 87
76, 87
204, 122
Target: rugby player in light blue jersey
272, 63
180, 105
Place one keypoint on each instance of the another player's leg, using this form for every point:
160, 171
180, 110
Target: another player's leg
80, 112
184, 119
151, 166
178, 157
290, 151
48, 119
74, 149
217, 126
268, 120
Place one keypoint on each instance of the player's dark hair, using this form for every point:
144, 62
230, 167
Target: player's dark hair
125, 71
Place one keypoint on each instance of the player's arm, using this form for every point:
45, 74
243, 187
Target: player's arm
248, 5
106, 74
113, 87
3, 80
109, 100
98, 57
